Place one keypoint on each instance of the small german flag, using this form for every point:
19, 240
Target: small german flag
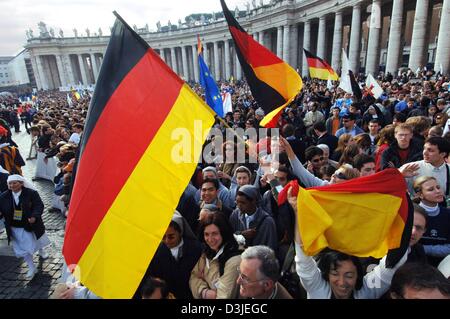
274, 84
131, 173
319, 68
366, 216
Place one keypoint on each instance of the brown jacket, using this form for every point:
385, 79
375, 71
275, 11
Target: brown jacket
225, 285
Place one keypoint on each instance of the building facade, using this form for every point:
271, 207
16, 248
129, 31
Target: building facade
5, 74
378, 35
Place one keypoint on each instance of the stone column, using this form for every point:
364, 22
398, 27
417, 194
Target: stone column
443, 45
61, 70
238, 69
337, 42
37, 74
280, 42
286, 42
306, 46
294, 47
185, 64
255, 36
173, 58
216, 61
395, 33
373, 46
261, 37
82, 70
161, 55
42, 74
206, 54
419, 36
195, 60
94, 67
226, 48
70, 74
355, 39
321, 37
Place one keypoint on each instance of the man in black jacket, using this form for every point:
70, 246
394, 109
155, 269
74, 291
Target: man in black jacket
324, 138
403, 150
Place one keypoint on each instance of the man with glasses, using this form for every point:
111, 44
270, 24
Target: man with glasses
402, 150
259, 272
349, 126
314, 159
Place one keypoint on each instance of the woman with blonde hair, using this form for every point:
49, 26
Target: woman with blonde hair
436, 239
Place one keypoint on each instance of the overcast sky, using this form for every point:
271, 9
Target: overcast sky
17, 16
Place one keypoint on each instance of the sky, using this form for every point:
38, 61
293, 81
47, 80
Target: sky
18, 16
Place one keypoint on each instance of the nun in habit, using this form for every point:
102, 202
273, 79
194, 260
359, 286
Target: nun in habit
22, 208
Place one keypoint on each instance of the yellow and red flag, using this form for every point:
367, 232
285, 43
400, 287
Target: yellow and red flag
128, 184
362, 217
274, 84
319, 68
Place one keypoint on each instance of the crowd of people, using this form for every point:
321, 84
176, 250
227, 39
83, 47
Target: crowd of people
229, 237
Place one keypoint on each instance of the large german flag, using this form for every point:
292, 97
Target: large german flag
362, 217
319, 68
274, 84
130, 174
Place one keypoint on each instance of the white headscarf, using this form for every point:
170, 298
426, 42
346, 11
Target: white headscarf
19, 178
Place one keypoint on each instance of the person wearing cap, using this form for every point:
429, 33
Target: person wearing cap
175, 257
22, 208
242, 176
251, 221
349, 126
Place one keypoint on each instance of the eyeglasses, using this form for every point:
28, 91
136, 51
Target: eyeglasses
244, 280
340, 175
320, 159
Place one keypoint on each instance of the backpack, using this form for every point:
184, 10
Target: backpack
9, 156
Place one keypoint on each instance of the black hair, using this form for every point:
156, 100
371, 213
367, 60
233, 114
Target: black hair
320, 126
419, 276
213, 181
400, 117
361, 159
313, 151
226, 231
330, 259
151, 284
442, 144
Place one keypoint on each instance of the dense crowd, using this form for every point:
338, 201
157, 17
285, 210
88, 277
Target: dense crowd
229, 237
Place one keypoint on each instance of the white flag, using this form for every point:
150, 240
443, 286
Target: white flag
227, 105
373, 86
329, 84
345, 83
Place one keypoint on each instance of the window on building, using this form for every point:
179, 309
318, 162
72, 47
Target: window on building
1, 75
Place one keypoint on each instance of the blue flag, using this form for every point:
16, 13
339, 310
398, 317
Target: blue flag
213, 97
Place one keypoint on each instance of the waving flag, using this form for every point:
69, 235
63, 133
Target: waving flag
373, 87
274, 84
363, 217
213, 97
129, 180
319, 68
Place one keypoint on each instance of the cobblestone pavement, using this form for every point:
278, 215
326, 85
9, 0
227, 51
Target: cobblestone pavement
13, 270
